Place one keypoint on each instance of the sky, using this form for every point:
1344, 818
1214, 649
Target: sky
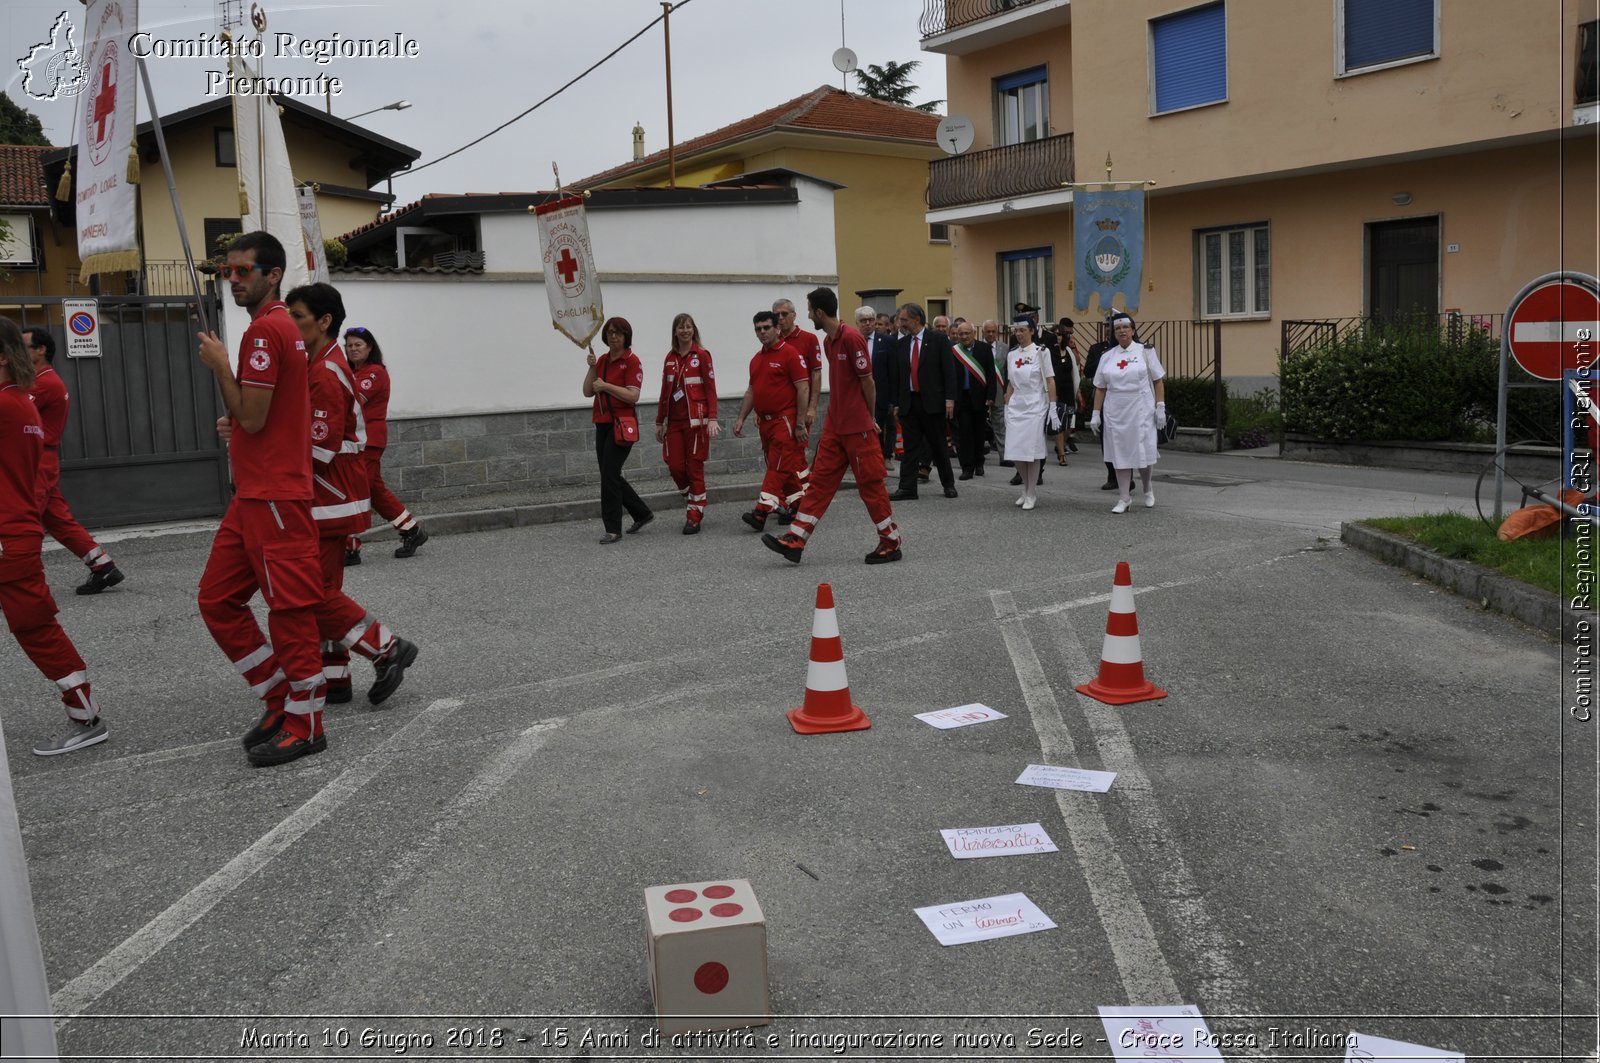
481, 62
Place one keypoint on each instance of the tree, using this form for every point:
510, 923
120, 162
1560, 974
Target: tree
892, 84
19, 126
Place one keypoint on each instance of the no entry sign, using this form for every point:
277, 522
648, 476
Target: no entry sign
1553, 328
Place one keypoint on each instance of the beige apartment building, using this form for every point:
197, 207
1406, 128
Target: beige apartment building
1311, 158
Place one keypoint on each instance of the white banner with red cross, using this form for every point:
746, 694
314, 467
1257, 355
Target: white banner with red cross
570, 279
108, 241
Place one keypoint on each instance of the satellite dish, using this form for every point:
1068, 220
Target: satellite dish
844, 60
956, 134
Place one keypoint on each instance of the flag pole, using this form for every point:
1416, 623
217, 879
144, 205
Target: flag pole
672, 151
172, 189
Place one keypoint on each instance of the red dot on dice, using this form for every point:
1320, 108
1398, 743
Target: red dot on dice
711, 978
726, 911
719, 892
684, 915
681, 896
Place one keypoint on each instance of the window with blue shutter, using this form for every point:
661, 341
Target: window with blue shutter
1189, 51
1378, 32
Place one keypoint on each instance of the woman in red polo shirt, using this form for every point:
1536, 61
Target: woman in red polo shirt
372, 388
613, 382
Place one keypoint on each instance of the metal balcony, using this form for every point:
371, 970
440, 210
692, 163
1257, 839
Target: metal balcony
1000, 173
956, 27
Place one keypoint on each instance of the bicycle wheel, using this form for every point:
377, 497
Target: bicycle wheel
1498, 462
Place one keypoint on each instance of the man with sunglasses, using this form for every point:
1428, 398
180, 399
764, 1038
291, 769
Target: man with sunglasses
268, 538
779, 389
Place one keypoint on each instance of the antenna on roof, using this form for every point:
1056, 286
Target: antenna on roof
844, 60
230, 14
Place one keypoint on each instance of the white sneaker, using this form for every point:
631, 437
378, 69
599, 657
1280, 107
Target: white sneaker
1029, 504
79, 735
1121, 506
1020, 500
1149, 500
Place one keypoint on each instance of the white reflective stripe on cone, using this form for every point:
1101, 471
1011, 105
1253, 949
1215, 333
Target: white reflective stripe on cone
825, 624
244, 664
1121, 599
1121, 649
826, 676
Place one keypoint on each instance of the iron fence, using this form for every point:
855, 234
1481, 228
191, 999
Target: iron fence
942, 16
1001, 173
1187, 349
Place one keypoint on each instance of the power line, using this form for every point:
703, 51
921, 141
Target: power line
512, 121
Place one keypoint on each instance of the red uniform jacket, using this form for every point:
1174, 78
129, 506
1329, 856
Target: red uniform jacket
341, 503
688, 389
21, 446
50, 398
372, 387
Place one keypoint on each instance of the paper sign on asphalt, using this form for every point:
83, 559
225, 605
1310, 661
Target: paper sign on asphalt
1363, 1048
983, 919
962, 716
1176, 1034
1095, 782
969, 843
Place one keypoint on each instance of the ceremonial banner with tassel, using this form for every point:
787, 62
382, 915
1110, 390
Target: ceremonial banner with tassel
107, 202
1108, 245
268, 199
570, 279
311, 233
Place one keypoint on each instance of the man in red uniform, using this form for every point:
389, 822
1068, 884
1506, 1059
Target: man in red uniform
50, 396
849, 440
779, 389
810, 352
340, 505
268, 539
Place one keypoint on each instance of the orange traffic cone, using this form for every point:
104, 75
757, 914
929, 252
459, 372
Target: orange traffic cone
1121, 680
828, 706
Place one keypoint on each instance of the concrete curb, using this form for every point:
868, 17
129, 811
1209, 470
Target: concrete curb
1533, 606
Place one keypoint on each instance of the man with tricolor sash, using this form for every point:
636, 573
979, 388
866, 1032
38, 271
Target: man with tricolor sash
974, 394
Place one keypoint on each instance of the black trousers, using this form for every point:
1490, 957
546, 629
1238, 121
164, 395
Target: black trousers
616, 494
970, 427
924, 440
886, 433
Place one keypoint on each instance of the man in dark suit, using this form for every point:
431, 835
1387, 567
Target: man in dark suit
975, 395
880, 345
1091, 363
927, 368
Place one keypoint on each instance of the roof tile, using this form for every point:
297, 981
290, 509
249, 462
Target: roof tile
22, 175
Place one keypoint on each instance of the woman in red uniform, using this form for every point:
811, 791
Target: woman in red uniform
686, 416
25, 598
372, 387
613, 382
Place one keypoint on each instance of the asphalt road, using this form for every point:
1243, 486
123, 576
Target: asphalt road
1363, 807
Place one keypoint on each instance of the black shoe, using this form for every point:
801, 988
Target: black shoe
950, 492
978, 471
610, 537
785, 517
271, 723
638, 526
410, 541
691, 527
790, 546
1041, 473
284, 749
1072, 447
352, 558
100, 579
758, 521
965, 476
923, 474
885, 553
1007, 464
338, 695
391, 669
1109, 485
903, 495
1016, 480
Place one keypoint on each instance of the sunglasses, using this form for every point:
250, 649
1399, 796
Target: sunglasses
228, 273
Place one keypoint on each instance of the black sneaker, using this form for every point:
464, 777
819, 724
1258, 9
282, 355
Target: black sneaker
340, 695
102, 578
785, 517
270, 724
411, 541
790, 546
885, 553
691, 527
639, 525
352, 558
284, 748
391, 669
758, 521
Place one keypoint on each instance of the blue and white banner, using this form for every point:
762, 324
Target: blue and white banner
1108, 247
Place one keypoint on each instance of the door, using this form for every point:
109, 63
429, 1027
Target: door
1403, 268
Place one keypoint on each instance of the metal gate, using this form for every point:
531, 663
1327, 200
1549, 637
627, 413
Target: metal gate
141, 441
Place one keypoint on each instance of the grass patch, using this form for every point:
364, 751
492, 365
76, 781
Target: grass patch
1464, 538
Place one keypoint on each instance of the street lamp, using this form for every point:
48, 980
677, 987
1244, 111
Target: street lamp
397, 105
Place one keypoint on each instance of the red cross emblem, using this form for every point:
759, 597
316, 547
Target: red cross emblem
105, 101
1021, 362
1122, 364
567, 266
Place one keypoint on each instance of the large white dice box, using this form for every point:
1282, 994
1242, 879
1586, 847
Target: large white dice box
707, 952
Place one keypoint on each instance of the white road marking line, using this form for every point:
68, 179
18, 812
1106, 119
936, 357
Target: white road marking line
1098, 599
111, 969
1221, 986
1141, 965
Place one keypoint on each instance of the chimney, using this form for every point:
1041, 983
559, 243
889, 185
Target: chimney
638, 142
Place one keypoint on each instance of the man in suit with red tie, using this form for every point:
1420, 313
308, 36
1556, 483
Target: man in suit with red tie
927, 376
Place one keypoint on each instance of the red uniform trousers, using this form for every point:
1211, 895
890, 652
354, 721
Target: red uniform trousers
862, 454
787, 475
384, 502
30, 613
342, 623
685, 449
271, 547
59, 523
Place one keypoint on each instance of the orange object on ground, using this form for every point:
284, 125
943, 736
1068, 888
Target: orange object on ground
1538, 521
1121, 680
828, 706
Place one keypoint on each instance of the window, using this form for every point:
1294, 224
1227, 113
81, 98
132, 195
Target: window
1021, 107
16, 241
1588, 78
938, 233
1027, 277
1189, 59
1235, 271
222, 140
1379, 33
217, 227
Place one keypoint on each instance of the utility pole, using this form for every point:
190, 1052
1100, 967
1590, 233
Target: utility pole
672, 153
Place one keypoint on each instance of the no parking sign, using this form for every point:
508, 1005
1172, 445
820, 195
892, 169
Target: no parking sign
83, 327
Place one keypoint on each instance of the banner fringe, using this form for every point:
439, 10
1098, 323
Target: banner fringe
110, 262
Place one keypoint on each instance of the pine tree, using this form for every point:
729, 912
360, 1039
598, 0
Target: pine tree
19, 126
893, 84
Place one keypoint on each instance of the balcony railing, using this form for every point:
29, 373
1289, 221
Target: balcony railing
1000, 173
942, 16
